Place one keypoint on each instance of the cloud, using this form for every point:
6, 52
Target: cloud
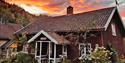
58, 7
123, 18
32, 9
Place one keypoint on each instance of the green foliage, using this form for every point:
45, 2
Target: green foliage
8, 60
121, 60
100, 55
20, 58
22, 41
113, 53
23, 38
24, 20
5, 61
105, 55
25, 58
5, 16
66, 61
8, 15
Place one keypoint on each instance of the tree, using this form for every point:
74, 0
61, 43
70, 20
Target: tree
5, 16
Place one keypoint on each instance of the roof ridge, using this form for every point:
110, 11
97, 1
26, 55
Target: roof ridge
66, 22
83, 12
78, 13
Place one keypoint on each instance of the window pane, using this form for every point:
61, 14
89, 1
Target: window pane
45, 49
38, 48
59, 50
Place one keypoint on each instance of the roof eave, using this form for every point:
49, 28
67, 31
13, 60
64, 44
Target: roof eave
109, 19
45, 33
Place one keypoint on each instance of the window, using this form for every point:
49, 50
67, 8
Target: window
113, 29
81, 48
85, 50
58, 51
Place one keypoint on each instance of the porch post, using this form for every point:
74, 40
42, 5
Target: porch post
36, 50
54, 53
66, 50
49, 51
63, 48
40, 51
7, 54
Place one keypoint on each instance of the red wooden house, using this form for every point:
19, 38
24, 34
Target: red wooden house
61, 34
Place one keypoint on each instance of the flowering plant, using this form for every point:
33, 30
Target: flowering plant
100, 55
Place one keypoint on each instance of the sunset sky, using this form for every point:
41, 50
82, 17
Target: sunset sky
58, 7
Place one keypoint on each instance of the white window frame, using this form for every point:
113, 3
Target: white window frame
113, 27
84, 54
81, 45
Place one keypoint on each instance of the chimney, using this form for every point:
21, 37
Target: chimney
69, 10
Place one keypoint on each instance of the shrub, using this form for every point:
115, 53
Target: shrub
113, 54
100, 55
121, 59
25, 58
20, 58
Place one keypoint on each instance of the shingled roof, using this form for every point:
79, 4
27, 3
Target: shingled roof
7, 30
96, 19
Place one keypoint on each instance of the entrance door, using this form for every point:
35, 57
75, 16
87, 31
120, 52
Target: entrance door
42, 51
49, 52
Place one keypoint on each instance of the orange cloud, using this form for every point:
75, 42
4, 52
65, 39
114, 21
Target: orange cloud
55, 6
58, 7
122, 14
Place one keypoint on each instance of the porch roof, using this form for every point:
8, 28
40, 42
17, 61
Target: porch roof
54, 37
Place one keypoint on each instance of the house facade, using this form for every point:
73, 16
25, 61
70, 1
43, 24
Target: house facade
6, 35
75, 35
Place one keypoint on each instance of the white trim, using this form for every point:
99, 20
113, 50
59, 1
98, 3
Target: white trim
43, 41
54, 53
49, 52
66, 50
46, 34
109, 19
7, 54
84, 53
22, 28
36, 50
40, 50
113, 27
34, 37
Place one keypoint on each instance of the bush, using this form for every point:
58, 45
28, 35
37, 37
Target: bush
25, 58
113, 54
100, 55
20, 58
121, 59
9, 60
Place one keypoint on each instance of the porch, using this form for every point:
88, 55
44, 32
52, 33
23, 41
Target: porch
49, 52
49, 47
